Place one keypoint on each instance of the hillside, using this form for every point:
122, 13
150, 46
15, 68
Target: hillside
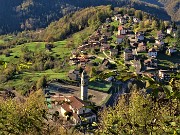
172, 7
33, 14
34, 55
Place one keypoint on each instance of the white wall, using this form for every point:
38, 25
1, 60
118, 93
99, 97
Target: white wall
62, 112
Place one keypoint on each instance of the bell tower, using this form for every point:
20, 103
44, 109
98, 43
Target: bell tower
84, 85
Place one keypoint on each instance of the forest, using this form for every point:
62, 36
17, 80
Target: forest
22, 15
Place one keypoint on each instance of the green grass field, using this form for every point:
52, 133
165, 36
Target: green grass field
100, 86
60, 50
1, 41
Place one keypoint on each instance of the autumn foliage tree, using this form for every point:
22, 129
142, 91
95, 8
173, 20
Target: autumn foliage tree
138, 113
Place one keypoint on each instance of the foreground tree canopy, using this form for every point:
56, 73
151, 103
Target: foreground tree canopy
140, 114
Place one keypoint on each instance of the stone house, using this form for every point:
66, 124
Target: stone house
169, 30
74, 75
137, 66
151, 62
160, 35
164, 75
141, 47
128, 54
122, 20
105, 47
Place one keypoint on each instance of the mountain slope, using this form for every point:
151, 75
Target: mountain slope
172, 7
21, 15
31, 14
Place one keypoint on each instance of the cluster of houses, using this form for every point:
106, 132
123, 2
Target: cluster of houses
138, 46
138, 54
99, 41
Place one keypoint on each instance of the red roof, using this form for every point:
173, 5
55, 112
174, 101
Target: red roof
120, 28
65, 106
76, 102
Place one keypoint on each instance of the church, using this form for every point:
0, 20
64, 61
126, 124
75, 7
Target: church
73, 108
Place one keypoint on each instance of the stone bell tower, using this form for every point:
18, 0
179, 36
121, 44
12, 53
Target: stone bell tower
84, 85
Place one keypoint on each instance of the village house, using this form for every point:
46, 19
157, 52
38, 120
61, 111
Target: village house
126, 16
78, 109
160, 42
105, 47
122, 20
128, 54
164, 75
152, 53
151, 74
159, 45
83, 62
120, 38
171, 50
108, 20
72, 108
73, 61
94, 44
171, 30
160, 35
134, 52
94, 38
151, 63
136, 20
134, 45
137, 65
139, 36
122, 30
84, 47
116, 17
141, 47
74, 75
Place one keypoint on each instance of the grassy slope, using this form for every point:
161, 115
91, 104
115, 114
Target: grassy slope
1, 41
60, 49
